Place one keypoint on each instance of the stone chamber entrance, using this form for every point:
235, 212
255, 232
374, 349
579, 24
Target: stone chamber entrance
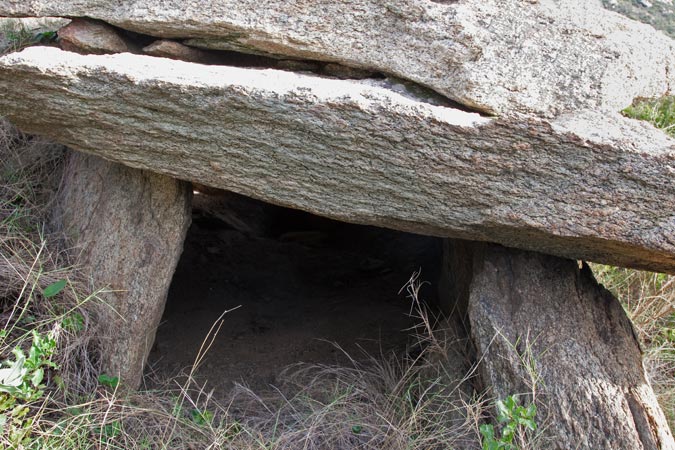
300, 288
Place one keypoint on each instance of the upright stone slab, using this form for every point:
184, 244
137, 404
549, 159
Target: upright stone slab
545, 329
128, 226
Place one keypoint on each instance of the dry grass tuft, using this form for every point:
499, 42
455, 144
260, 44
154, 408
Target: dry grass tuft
373, 405
649, 300
29, 176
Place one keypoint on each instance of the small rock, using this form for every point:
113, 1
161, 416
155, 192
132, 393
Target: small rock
293, 65
87, 36
346, 72
175, 50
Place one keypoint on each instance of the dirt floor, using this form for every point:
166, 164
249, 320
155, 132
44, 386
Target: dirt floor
300, 291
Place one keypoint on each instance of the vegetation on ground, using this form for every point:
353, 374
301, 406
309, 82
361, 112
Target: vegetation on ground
14, 36
518, 424
659, 112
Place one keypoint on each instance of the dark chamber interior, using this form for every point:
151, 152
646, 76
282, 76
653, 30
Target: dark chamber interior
302, 285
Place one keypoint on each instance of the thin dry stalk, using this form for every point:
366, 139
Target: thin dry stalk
649, 301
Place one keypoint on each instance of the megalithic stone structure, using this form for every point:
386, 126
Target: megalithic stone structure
495, 121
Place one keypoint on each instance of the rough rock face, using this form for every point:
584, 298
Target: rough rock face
581, 186
507, 57
89, 36
175, 50
544, 328
248, 216
130, 241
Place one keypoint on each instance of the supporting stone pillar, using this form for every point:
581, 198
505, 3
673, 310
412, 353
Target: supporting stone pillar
542, 327
128, 226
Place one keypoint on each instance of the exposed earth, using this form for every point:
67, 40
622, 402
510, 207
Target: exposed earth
302, 292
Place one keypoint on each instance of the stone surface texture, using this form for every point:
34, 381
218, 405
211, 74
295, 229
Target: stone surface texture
545, 329
127, 227
244, 214
581, 186
92, 37
165, 48
506, 57
33, 24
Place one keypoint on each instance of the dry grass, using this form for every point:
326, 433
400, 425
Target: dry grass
374, 402
649, 300
29, 175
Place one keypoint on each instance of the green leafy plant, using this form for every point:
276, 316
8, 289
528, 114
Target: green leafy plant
108, 432
73, 322
22, 382
22, 377
54, 289
200, 417
45, 36
515, 420
108, 381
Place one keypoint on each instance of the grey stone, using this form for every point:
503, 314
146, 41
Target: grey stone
33, 24
345, 72
544, 330
582, 186
127, 228
294, 65
505, 57
241, 213
175, 50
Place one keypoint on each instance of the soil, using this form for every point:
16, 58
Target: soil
312, 291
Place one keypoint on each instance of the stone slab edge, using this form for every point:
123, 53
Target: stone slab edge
506, 57
359, 153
